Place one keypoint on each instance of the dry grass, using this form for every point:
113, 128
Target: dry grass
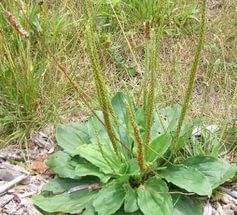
56, 31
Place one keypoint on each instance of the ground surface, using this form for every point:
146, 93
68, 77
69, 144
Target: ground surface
17, 199
13, 163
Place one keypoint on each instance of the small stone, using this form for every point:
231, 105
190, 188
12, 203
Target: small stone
214, 212
219, 208
227, 207
5, 199
207, 209
11, 152
228, 212
225, 199
234, 207
232, 193
9, 172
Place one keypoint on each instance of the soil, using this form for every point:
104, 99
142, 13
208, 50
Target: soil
15, 163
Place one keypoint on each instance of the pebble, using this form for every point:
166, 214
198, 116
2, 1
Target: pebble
207, 209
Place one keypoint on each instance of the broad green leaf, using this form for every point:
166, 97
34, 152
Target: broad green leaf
70, 136
166, 120
59, 185
121, 212
154, 198
158, 147
109, 199
90, 210
119, 106
130, 201
133, 167
96, 129
118, 103
89, 169
187, 178
108, 163
184, 205
216, 170
169, 116
62, 164
73, 203
140, 119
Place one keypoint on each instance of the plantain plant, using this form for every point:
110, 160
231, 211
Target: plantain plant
130, 159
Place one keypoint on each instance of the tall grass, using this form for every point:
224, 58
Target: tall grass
30, 86
134, 13
34, 90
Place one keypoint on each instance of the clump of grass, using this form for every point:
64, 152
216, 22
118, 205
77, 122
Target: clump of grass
16, 25
31, 92
177, 15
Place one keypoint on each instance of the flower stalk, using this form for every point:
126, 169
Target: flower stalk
192, 77
138, 139
150, 89
101, 88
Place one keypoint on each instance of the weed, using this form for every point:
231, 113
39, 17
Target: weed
28, 99
118, 161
